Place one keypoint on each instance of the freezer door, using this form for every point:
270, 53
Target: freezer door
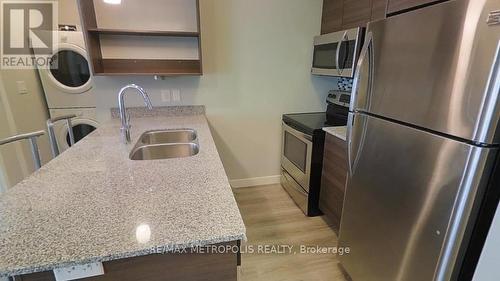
436, 68
408, 199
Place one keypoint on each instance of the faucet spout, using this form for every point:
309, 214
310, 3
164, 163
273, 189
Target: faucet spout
125, 128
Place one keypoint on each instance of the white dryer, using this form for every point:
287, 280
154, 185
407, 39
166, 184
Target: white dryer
84, 124
68, 87
67, 81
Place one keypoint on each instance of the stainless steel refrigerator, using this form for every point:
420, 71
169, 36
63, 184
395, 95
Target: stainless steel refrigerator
423, 139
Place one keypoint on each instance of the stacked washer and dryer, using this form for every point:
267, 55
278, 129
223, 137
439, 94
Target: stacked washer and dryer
68, 87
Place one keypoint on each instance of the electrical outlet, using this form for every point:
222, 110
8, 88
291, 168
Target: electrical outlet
176, 95
78, 271
166, 96
22, 89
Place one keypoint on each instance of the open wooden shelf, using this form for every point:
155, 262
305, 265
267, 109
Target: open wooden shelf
147, 66
103, 66
105, 31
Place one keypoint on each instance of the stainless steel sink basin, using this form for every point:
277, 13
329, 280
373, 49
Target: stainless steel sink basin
168, 136
164, 151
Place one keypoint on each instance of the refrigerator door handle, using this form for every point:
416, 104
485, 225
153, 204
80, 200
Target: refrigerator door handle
356, 134
350, 121
491, 110
367, 50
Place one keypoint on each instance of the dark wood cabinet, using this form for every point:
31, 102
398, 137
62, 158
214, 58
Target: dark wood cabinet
187, 265
379, 9
331, 20
333, 180
345, 14
395, 6
356, 13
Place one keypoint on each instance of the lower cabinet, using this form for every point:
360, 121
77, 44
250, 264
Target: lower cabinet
333, 180
185, 265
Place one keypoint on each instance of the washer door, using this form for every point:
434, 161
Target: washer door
69, 69
81, 128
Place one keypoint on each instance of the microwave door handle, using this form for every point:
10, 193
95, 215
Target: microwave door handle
337, 54
365, 51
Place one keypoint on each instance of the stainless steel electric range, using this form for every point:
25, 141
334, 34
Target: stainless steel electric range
302, 150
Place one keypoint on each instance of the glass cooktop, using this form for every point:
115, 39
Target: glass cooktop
306, 123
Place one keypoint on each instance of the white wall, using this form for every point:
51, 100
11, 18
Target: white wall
21, 114
256, 59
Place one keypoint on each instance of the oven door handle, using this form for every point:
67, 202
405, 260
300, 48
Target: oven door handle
337, 55
298, 134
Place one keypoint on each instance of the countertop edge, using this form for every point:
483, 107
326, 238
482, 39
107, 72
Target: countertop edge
237, 235
143, 252
339, 132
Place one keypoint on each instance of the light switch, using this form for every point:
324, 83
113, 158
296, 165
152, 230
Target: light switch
176, 95
78, 271
22, 89
166, 96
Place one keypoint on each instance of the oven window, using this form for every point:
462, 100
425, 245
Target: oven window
324, 56
295, 151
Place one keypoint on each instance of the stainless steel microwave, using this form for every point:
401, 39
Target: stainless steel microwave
336, 54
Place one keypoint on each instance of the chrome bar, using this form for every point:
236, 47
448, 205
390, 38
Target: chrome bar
70, 132
32, 137
54, 146
35, 153
21, 137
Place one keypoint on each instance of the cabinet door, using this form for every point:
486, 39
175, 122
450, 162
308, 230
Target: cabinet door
356, 13
379, 9
332, 16
333, 180
400, 5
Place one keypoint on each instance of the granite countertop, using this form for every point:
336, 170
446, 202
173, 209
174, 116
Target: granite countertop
339, 132
93, 204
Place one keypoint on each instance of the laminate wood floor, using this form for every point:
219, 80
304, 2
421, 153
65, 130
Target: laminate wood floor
273, 219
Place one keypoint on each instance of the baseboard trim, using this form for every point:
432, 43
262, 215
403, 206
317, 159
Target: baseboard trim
255, 181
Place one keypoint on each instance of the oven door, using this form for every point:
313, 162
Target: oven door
335, 54
296, 155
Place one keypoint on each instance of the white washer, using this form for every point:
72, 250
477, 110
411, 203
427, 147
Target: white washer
69, 88
67, 81
83, 124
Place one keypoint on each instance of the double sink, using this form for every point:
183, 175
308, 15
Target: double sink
166, 144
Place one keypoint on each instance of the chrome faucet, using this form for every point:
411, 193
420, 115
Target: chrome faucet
125, 129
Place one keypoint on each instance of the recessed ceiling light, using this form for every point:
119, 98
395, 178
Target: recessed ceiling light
113, 2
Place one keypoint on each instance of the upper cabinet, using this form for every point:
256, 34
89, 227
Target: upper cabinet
345, 14
332, 16
396, 6
121, 41
356, 13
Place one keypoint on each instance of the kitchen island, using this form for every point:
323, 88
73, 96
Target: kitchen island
93, 204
